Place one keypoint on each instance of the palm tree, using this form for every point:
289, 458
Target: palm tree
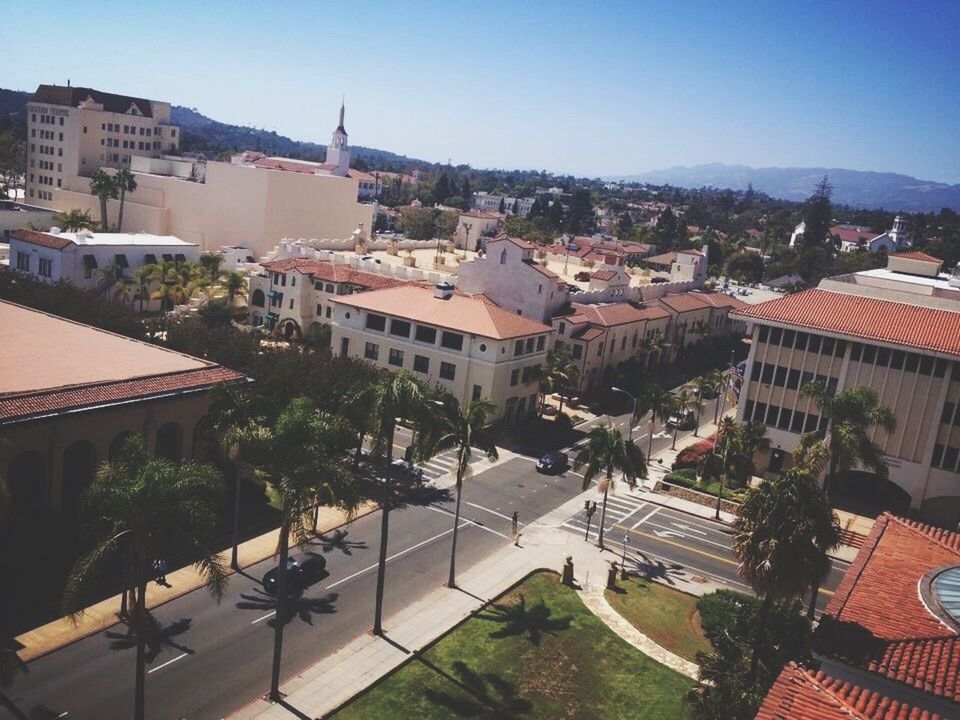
126, 290
558, 373
211, 262
126, 182
301, 454
142, 508
74, 220
684, 401
109, 276
10, 667
235, 284
606, 452
660, 403
658, 343
717, 381
463, 430
781, 538
699, 384
143, 278
851, 415
395, 397
105, 187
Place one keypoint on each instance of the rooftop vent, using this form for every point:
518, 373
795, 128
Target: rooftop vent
443, 290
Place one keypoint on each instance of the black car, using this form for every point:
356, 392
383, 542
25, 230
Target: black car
553, 461
302, 572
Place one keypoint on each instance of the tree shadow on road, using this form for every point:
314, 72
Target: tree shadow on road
518, 619
157, 637
337, 540
641, 564
295, 606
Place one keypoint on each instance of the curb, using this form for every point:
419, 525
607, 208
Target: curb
177, 596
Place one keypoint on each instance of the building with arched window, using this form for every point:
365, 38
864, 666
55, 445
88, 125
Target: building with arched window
70, 394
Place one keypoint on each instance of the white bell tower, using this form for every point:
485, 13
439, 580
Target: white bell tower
898, 233
338, 152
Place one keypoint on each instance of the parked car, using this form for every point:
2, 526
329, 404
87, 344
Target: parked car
683, 420
553, 461
302, 572
582, 276
707, 393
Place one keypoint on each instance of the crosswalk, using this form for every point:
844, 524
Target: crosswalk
439, 466
624, 508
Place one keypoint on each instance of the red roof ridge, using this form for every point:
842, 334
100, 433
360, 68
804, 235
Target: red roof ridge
916, 255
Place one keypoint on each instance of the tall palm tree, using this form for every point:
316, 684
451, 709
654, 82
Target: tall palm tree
108, 276
607, 452
465, 430
781, 538
698, 385
660, 403
143, 278
683, 401
395, 397
211, 262
74, 220
558, 373
302, 455
851, 416
126, 290
105, 187
126, 182
717, 382
658, 344
234, 284
142, 508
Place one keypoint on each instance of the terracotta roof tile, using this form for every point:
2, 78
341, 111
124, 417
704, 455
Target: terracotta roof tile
40, 238
800, 694
916, 255
683, 302
863, 317
474, 314
331, 272
721, 300
603, 275
610, 314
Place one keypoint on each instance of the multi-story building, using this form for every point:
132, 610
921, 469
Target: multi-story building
894, 329
73, 132
293, 294
487, 202
695, 314
80, 258
462, 343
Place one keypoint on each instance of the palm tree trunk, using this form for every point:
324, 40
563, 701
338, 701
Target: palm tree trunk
696, 429
279, 619
384, 530
103, 213
653, 422
123, 192
814, 596
234, 559
14, 710
676, 429
452, 580
758, 637
140, 630
603, 515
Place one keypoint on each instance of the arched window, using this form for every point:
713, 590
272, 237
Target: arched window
258, 298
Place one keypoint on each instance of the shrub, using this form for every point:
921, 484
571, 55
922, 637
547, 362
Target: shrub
563, 422
685, 477
690, 457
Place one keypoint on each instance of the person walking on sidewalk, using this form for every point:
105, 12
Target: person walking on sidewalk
160, 569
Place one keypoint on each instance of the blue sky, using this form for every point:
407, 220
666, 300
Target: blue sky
591, 88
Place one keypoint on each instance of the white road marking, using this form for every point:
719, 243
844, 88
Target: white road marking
468, 521
492, 512
261, 619
392, 557
161, 667
63, 714
684, 526
645, 518
668, 533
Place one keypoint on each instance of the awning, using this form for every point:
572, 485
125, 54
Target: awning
90, 262
274, 293
167, 257
272, 315
149, 259
120, 260
180, 258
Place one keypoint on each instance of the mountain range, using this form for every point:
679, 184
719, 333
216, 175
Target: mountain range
856, 188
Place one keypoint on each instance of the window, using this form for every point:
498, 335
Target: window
328, 311
515, 376
827, 346
623, 343
805, 379
518, 348
400, 328
599, 349
950, 458
775, 334
371, 351
328, 288
542, 341
947, 415
926, 365
577, 352
940, 368
376, 322
529, 345
785, 418
760, 413
763, 334
448, 371
840, 349
755, 370
395, 357
788, 338
748, 414
869, 354
766, 377
421, 364
291, 303
527, 374
896, 359
562, 328
319, 310
477, 390
23, 261
772, 412
910, 365
937, 455
855, 351
293, 281
796, 425
46, 267
451, 341
883, 356
813, 345
425, 334
811, 423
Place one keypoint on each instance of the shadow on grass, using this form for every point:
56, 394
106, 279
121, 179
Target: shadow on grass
485, 695
518, 620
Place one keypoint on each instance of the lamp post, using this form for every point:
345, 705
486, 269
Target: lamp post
623, 560
633, 413
590, 508
726, 386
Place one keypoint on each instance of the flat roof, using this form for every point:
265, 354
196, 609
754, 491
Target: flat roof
98, 239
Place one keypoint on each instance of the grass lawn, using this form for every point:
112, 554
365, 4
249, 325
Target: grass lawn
536, 653
668, 617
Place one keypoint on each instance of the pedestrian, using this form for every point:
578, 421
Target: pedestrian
516, 522
160, 569
419, 477
516, 539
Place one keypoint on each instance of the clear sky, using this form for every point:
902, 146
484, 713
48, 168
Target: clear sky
591, 88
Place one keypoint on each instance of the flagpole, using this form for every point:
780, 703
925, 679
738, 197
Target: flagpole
723, 398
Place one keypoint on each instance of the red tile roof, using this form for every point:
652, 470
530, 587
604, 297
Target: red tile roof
864, 317
40, 238
800, 694
603, 275
877, 618
519, 242
609, 315
721, 300
586, 333
24, 406
916, 255
852, 234
542, 269
683, 302
330, 272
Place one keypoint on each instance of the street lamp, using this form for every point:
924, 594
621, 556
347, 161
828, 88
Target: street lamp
589, 508
633, 413
623, 560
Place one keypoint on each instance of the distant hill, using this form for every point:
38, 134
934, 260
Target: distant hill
856, 188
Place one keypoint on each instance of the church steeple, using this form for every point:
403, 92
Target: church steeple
338, 152
340, 128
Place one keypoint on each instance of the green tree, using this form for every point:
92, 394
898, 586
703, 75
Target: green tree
13, 153
817, 216
141, 508
580, 217
660, 403
126, 182
302, 454
745, 267
558, 374
781, 538
607, 452
464, 430
392, 398
554, 214
144, 276
74, 220
417, 223
442, 188
105, 187
211, 262
234, 284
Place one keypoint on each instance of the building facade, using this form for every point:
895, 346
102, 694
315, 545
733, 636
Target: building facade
895, 330
73, 132
461, 343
